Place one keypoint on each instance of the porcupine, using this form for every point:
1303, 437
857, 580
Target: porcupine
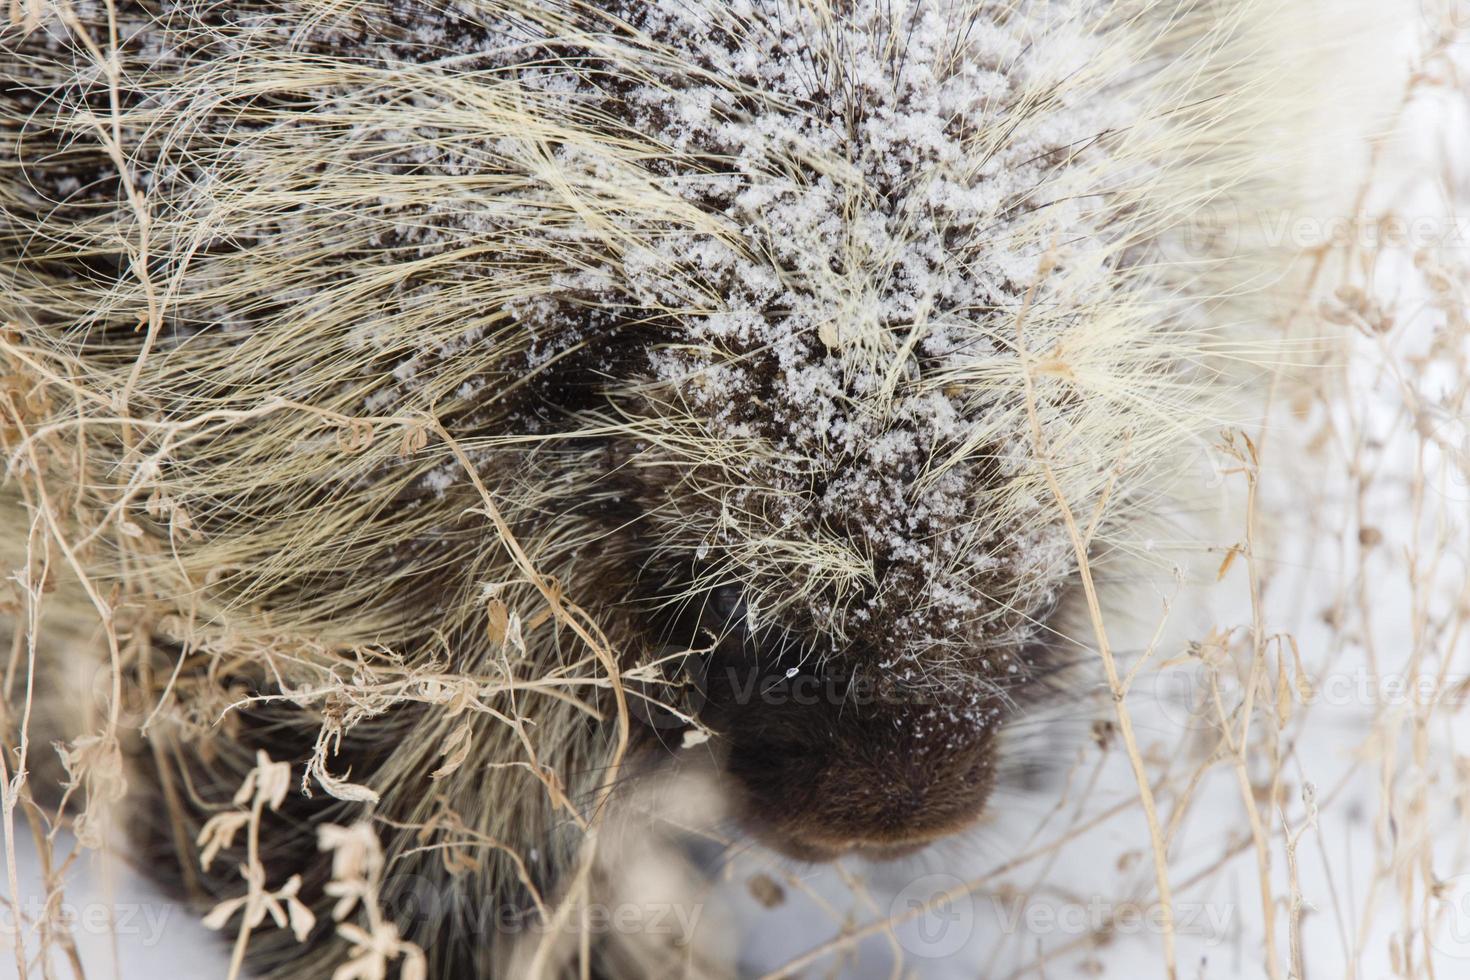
555, 357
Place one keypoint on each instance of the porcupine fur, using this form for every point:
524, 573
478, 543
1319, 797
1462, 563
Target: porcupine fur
760, 324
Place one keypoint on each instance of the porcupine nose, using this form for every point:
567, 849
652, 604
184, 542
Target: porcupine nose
843, 773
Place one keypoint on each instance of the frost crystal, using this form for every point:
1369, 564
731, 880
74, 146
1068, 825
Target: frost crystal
780, 248
877, 232
827, 358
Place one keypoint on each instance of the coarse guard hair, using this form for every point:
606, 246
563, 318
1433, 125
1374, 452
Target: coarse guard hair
440, 398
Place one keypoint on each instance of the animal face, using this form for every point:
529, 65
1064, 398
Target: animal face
814, 395
756, 317
838, 755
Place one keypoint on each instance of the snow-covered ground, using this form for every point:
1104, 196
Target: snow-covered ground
122, 925
1355, 766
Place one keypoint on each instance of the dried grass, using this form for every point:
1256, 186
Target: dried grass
1385, 534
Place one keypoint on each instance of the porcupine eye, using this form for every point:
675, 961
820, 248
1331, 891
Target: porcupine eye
827, 759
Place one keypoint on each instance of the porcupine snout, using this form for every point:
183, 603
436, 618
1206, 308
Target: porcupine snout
827, 759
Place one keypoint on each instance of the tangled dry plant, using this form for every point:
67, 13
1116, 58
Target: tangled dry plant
1360, 477
1353, 542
